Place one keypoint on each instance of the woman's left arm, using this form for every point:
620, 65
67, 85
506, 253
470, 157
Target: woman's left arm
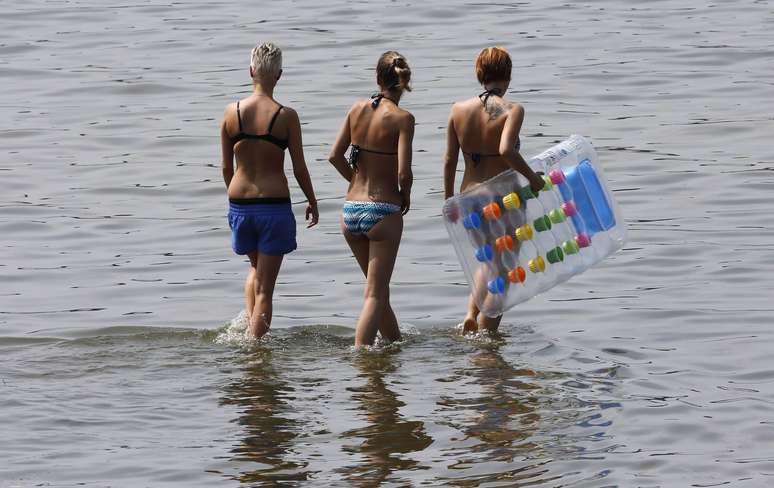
300, 171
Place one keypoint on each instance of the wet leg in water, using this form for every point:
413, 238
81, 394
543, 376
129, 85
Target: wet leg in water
475, 321
265, 268
376, 253
250, 288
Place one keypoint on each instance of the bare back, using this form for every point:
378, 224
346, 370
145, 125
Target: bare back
480, 131
259, 162
376, 132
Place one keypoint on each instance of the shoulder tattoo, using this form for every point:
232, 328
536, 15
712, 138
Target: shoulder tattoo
496, 108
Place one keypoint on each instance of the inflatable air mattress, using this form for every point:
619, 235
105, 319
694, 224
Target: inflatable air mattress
514, 244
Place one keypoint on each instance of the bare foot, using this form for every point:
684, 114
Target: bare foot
469, 325
259, 327
489, 324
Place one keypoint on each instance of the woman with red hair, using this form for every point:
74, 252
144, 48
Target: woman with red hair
486, 128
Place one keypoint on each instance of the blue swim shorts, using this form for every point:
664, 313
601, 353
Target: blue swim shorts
262, 225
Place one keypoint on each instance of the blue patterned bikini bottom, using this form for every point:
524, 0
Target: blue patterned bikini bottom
361, 217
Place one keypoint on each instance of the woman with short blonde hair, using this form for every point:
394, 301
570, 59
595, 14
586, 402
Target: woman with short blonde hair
256, 131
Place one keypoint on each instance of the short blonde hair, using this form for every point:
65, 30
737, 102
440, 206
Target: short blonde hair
393, 72
266, 61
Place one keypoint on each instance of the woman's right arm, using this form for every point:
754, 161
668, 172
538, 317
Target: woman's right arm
227, 150
452, 157
337, 155
405, 175
508, 148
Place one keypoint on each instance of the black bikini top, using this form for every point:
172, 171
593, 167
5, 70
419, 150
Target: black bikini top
476, 156
355, 149
281, 143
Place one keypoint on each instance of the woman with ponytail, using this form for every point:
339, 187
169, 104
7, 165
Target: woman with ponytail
379, 134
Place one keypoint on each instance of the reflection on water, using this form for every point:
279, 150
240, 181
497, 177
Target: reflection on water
265, 415
506, 408
499, 419
370, 418
387, 439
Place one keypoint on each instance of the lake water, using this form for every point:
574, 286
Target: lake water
120, 298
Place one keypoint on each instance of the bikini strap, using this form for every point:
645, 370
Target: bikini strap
239, 117
487, 93
377, 97
274, 119
476, 156
375, 151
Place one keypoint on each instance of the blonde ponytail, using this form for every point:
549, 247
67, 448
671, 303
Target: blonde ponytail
393, 72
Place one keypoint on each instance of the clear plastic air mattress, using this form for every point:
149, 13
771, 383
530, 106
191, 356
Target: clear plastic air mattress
514, 244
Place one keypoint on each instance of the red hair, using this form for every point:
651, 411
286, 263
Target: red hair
493, 64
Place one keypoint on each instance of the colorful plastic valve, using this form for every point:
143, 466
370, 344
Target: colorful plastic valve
569, 208
542, 224
537, 265
511, 201
570, 247
548, 184
524, 233
517, 275
472, 221
504, 243
557, 215
555, 255
484, 253
583, 240
496, 286
557, 177
525, 193
491, 211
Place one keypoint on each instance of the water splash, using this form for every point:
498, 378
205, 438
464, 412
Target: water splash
235, 333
